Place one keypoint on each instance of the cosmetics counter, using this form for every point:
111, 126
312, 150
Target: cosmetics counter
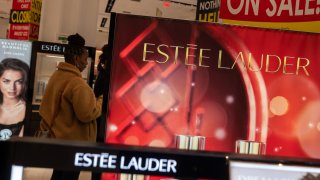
167, 163
160, 96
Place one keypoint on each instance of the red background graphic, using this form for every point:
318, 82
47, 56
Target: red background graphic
152, 102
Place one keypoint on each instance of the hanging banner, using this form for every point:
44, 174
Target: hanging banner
290, 15
25, 19
216, 83
208, 10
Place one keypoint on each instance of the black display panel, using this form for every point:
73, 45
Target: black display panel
168, 163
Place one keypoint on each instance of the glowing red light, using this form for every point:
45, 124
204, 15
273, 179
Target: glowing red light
166, 4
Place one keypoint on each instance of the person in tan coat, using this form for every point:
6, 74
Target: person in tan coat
69, 107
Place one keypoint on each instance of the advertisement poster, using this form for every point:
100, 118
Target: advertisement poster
294, 15
223, 82
15, 58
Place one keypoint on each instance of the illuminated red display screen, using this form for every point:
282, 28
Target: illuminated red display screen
174, 77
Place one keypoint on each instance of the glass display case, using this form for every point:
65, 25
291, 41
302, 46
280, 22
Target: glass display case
46, 64
46, 56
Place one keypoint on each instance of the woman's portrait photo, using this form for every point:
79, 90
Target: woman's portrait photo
13, 88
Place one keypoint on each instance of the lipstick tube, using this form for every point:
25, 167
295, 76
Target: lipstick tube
197, 142
182, 142
250, 147
189, 142
124, 176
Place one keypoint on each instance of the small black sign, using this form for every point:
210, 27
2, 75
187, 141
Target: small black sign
109, 6
208, 10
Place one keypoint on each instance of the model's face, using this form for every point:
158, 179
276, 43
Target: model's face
82, 61
11, 83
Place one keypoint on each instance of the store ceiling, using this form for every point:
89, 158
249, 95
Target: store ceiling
180, 9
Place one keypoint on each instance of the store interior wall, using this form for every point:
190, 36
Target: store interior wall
5, 6
3, 27
62, 18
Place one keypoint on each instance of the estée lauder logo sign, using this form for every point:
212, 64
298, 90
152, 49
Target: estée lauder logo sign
111, 161
269, 63
52, 48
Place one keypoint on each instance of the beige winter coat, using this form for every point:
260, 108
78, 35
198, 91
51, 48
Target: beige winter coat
75, 103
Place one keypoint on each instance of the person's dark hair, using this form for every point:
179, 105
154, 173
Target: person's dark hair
104, 66
104, 57
17, 65
75, 47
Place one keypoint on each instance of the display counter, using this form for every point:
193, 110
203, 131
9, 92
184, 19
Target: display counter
166, 162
